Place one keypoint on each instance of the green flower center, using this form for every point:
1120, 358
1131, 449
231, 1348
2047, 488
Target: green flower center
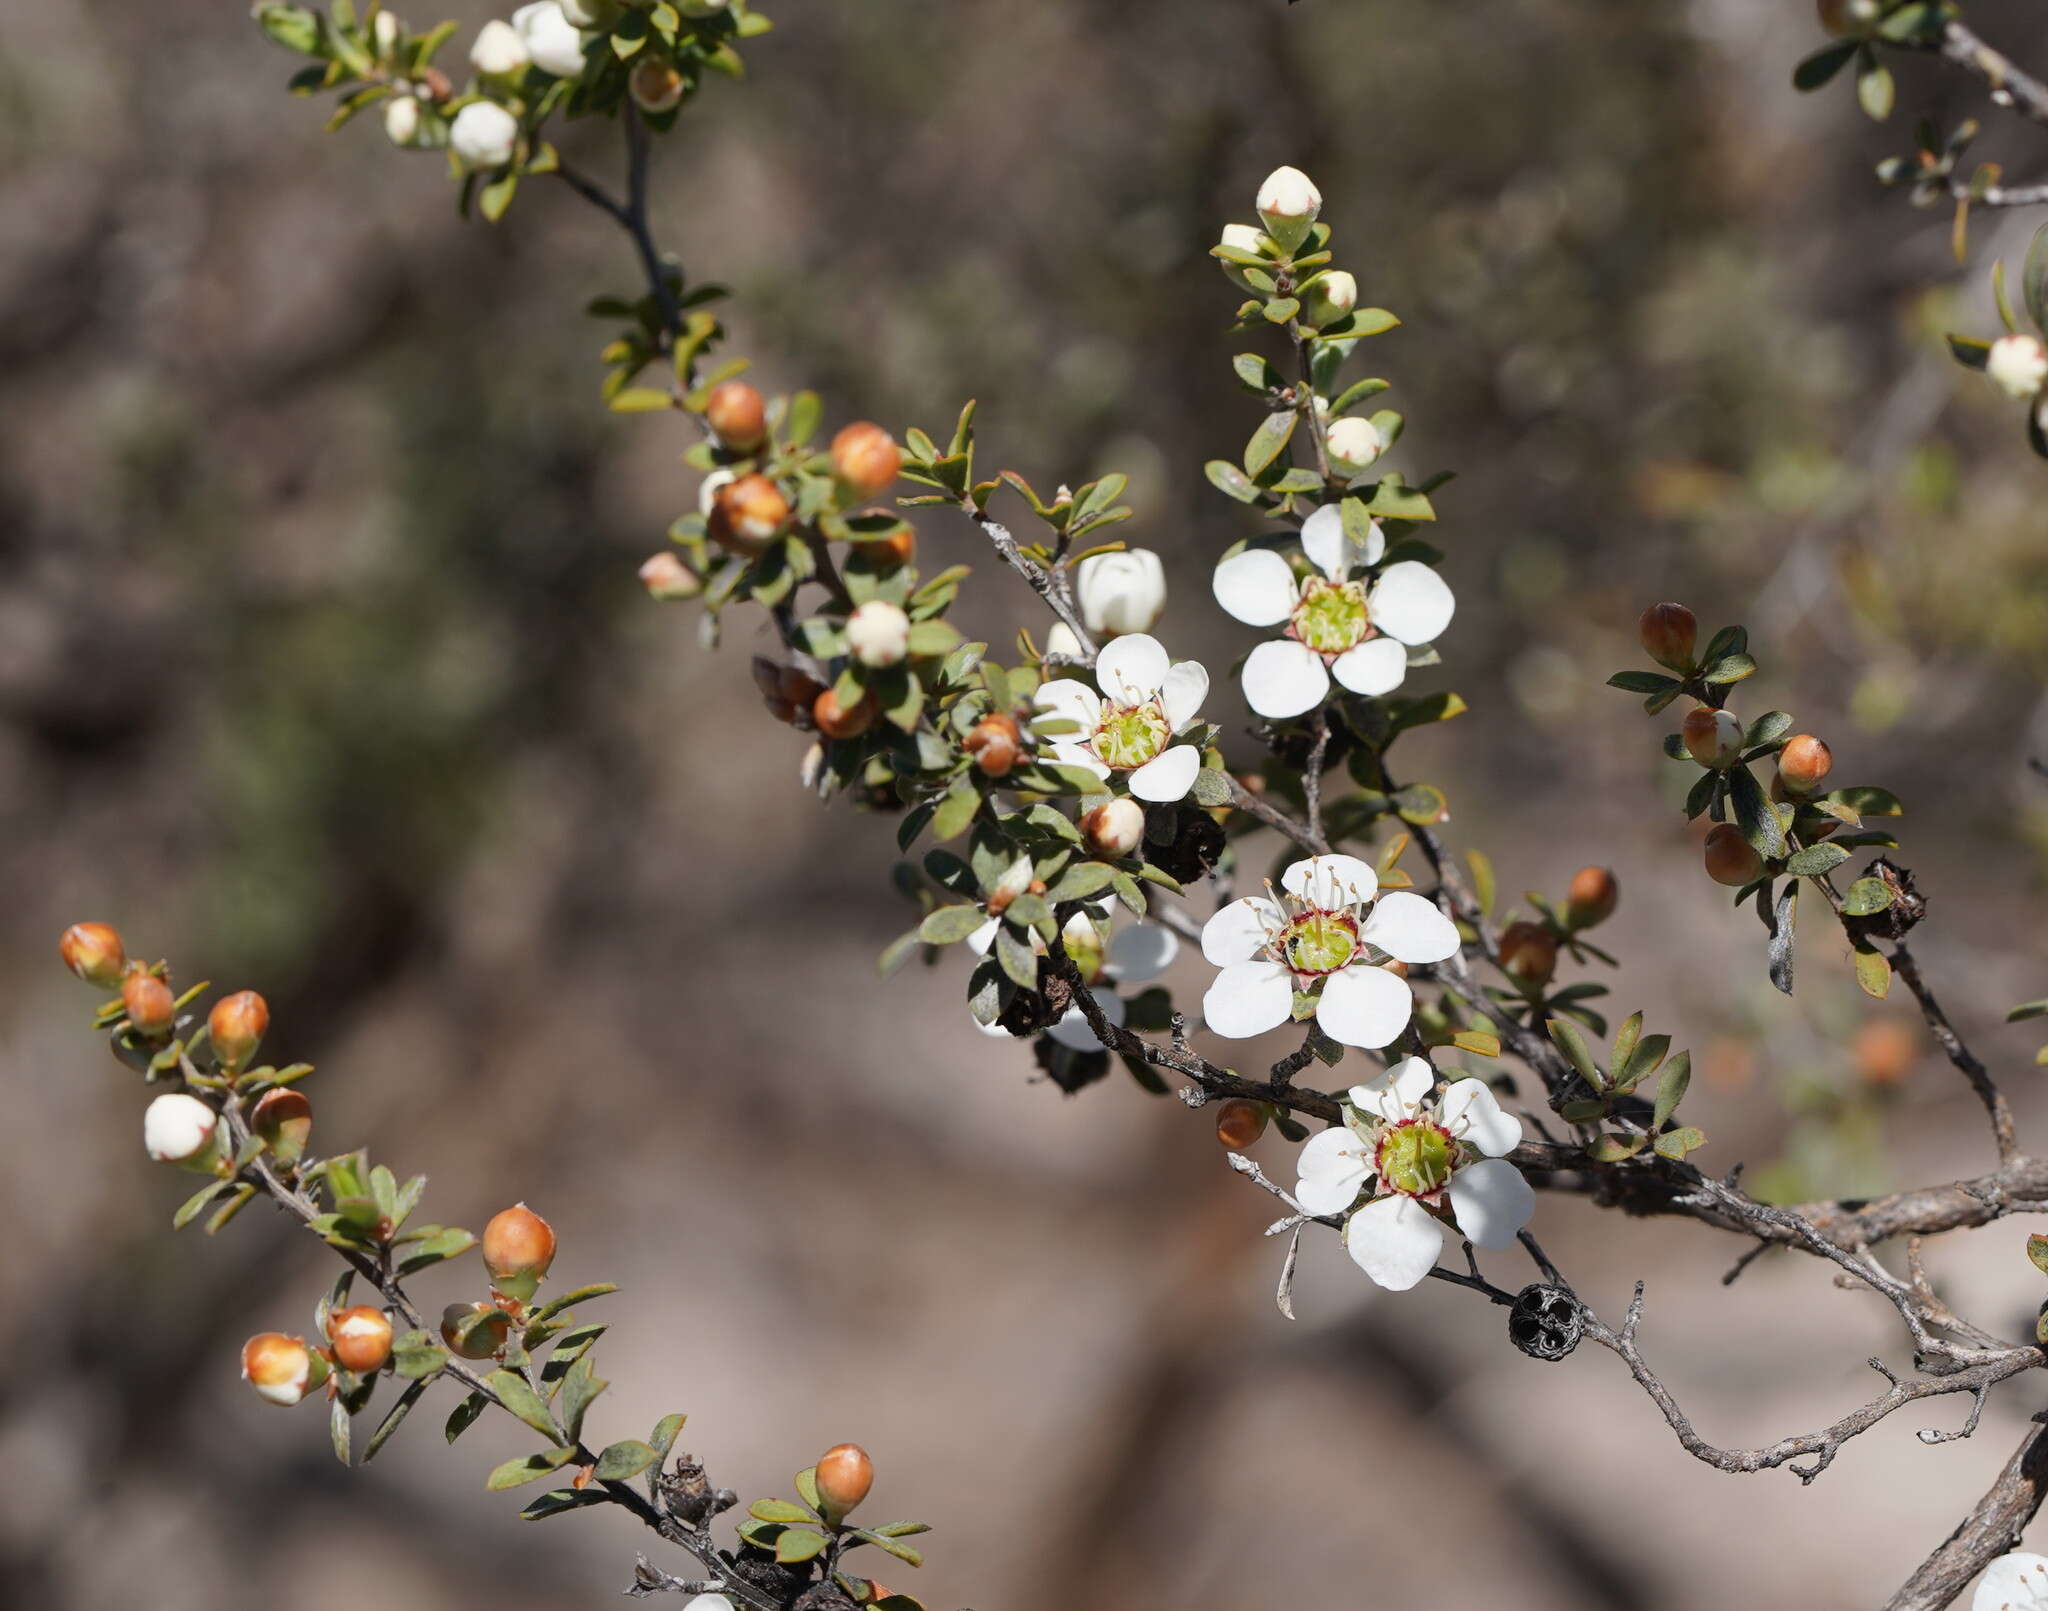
1320, 942
1415, 1157
1130, 735
1331, 616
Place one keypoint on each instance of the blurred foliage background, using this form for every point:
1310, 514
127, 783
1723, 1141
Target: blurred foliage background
324, 670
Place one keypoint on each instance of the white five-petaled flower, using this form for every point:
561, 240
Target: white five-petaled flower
1127, 729
1335, 626
1325, 934
1137, 954
1417, 1155
550, 37
484, 135
2015, 1582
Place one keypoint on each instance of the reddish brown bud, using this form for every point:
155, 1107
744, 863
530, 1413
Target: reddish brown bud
94, 952
737, 415
898, 548
475, 1330
282, 1369
518, 1242
1804, 763
152, 1009
666, 577
747, 515
1590, 900
1711, 737
1528, 952
361, 1338
1240, 1122
1729, 858
656, 85
1114, 829
236, 1027
995, 742
1885, 1050
835, 720
844, 1475
284, 1119
1669, 635
865, 460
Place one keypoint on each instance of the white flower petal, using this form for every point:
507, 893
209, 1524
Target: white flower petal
1328, 549
1074, 1029
1398, 1092
1406, 926
1411, 602
1331, 881
1492, 1201
1395, 1241
1256, 587
1238, 932
1181, 695
1471, 1113
984, 937
1141, 951
1130, 669
1248, 998
994, 1031
1167, 777
1333, 1186
1074, 700
1376, 666
1366, 1007
1283, 679
2018, 1581
1069, 753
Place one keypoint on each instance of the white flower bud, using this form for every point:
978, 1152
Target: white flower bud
1242, 238
1330, 298
499, 51
386, 31
1288, 203
550, 38
1114, 829
2019, 364
1354, 442
878, 634
484, 135
1121, 593
1060, 639
701, 8
181, 1129
402, 119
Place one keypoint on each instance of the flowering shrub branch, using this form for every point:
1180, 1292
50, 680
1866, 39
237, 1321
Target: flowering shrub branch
1073, 800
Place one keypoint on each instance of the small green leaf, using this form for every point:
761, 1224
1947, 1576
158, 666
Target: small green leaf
464, 1415
798, 1544
527, 1468
1675, 1144
624, 1460
1815, 860
780, 1510
1671, 1086
1571, 1040
517, 1395
948, 925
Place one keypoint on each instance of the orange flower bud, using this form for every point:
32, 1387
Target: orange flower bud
737, 415
835, 720
1803, 763
996, 742
1528, 952
1885, 1050
236, 1026
1729, 858
898, 548
94, 952
361, 1337
747, 515
1669, 635
1711, 737
865, 459
475, 1330
843, 1476
282, 1369
284, 1119
1114, 829
152, 1009
1591, 898
1240, 1122
666, 577
656, 86
517, 1243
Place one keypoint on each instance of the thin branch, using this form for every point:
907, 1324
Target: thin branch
2010, 85
1992, 1527
1042, 580
1908, 969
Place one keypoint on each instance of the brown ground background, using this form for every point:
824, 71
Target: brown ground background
323, 669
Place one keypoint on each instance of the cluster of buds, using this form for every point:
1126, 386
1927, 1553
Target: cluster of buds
1529, 947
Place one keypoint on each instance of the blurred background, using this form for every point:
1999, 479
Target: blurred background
324, 671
